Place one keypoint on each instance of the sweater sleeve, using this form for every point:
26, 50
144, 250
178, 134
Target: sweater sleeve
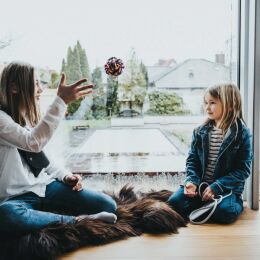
12, 134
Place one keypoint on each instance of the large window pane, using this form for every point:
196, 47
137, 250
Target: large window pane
140, 121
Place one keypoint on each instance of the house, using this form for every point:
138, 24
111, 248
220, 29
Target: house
188, 79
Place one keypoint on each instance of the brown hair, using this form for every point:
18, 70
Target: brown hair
17, 98
230, 98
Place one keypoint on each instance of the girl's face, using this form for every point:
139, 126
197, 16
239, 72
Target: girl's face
37, 89
213, 108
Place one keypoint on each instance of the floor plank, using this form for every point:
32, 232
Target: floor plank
237, 241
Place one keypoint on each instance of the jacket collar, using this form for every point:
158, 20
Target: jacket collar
228, 139
232, 131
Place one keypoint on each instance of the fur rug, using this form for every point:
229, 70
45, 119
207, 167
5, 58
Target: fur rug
137, 213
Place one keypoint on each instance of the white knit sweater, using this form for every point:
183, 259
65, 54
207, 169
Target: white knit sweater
15, 175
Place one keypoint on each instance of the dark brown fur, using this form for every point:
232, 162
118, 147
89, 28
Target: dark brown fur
137, 214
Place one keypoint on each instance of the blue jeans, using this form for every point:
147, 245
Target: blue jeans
227, 211
29, 212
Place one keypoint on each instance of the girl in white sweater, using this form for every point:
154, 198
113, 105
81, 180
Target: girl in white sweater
30, 186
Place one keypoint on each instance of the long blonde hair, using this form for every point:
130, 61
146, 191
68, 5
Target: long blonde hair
21, 103
230, 98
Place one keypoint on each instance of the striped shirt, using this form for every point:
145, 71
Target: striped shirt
215, 141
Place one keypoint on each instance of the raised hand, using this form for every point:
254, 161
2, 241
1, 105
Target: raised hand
74, 91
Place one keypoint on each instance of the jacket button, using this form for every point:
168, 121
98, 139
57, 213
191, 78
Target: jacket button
30, 158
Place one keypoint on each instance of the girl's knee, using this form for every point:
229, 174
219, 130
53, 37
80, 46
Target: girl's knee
224, 215
174, 201
228, 210
9, 209
177, 199
108, 204
111, 206
13, 217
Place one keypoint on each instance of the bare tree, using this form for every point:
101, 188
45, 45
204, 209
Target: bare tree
4, 43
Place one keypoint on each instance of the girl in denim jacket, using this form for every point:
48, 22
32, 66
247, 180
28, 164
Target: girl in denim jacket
220, 157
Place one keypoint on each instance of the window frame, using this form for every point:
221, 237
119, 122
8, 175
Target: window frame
249, 82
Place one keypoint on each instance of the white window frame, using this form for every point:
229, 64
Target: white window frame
250, 86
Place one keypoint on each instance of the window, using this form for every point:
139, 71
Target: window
140, 121
191, 74
249, 82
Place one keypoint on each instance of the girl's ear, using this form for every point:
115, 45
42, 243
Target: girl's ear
14, 89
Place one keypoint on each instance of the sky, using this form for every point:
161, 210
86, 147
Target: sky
42, 30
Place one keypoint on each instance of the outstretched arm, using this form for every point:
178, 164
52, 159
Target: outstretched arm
12, 134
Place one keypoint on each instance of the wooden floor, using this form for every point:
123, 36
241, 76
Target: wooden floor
237, 241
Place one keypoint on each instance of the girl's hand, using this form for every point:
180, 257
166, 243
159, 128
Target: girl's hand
74, 91
190, 190
208, 194
75, 181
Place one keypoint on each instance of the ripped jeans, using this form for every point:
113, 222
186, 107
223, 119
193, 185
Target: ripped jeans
29, 212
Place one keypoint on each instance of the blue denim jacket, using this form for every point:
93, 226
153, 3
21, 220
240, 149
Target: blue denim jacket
233, 164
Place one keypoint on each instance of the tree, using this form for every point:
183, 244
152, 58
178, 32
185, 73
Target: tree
75, 68
134, 81
99, 99
72, 66
166, 104
83, 60
54, 79
73, 73
133, 75
112, 104
143, 69
63, 66
68, 67
73, 106
5, 42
